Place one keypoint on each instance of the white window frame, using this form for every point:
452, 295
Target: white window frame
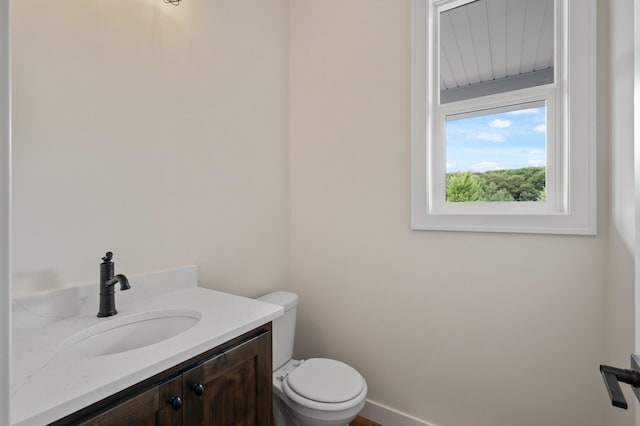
570, 206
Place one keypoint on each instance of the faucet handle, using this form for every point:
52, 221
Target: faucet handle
107, 257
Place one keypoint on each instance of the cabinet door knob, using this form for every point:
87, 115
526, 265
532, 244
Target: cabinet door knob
176, 403
198, 389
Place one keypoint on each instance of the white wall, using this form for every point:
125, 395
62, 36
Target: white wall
162, 134
157, 132
5, 223
616, 102
457, 329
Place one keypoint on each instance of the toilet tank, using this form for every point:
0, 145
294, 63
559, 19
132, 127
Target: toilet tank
284, 327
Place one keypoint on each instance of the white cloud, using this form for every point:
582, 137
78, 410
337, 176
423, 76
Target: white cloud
450, 166
537, 163
484, 166
491, 137
528, 111
499, 124
536, 151
541, 128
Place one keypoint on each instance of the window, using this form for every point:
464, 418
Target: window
497, 154
503, 116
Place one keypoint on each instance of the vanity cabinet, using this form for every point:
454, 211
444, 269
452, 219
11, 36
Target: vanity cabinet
230, 385
149, 408
229, 389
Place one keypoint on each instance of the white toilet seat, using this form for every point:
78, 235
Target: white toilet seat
325, 385
325, 380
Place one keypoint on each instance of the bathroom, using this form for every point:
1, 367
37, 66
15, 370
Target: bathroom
268, 143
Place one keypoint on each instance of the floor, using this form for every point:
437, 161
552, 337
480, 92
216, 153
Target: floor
361, 421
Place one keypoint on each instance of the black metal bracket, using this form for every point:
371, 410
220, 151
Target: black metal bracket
612, 376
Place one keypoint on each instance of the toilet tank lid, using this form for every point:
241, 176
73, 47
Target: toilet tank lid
285, 299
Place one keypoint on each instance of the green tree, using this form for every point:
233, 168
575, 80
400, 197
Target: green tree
529, 196
462, 187
525, 184
542, 195
539, 177
491, 192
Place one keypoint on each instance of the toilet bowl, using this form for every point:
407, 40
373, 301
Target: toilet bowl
312, 392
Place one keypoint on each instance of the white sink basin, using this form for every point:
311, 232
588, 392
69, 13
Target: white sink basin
130, 332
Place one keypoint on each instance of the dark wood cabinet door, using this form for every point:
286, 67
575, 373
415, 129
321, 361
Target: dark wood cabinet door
149, 408
235, 387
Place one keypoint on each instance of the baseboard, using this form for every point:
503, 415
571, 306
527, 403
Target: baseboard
388, 416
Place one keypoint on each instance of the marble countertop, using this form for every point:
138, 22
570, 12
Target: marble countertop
48, 384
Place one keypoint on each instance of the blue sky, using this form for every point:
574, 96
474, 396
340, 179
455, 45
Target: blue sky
508, 140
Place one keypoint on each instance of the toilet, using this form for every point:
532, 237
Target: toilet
312, 392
